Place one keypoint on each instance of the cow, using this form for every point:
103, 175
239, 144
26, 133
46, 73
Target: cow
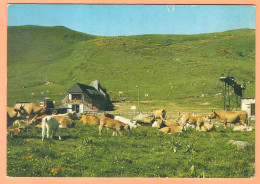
230, 117
242, 128
196, 120
126, 121
171, 129
16, 131
13, 115
148, 120
64, 122
206, 127
30, 110
159, 113
89, 119
52, 126
116, 125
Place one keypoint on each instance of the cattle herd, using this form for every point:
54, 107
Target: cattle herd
35, 115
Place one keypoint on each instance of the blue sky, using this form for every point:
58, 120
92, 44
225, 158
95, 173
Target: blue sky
119, 20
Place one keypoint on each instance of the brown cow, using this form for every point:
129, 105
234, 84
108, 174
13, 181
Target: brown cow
171, 129
30, 110
16, 131
13, 115
230, 117
159, 113
166, 123
116, 125
89, 119
64, 121
206, 127
196, 120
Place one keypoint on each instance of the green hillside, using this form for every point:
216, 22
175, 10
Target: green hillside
47, 61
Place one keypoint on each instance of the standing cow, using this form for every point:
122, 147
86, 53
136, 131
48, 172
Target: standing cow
230, 117
52, 126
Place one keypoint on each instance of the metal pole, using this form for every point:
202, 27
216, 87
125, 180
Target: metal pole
138, 99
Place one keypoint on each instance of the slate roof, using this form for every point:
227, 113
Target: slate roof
89, 90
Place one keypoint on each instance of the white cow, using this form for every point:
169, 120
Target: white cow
126, 121
52, 126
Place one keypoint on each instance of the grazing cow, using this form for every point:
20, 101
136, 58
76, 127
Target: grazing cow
12, 115
230, 117
52, 126
30, 109
196, 120
16, 131
116, 125
64, 121
89, 119
206, 127
171, 129
159, 113
126, 121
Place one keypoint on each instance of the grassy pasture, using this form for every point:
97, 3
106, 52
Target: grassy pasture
145, 152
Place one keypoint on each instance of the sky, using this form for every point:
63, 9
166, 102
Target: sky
122, 20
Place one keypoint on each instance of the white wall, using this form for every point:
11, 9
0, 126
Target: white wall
246, 105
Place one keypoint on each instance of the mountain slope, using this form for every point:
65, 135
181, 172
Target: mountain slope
180, 68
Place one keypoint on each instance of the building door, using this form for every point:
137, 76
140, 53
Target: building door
75, 108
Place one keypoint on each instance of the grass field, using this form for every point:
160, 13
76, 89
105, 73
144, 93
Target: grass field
144, 152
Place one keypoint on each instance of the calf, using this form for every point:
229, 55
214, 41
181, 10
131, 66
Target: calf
116, 125
52, 126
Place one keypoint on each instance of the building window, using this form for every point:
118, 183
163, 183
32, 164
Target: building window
252, 108
76, 96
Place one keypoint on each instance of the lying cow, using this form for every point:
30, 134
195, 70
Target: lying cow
242, 128
165, 123
16, 131
116, 125
206, 127
89, 119
171, 129
52, 126
29, 110
159, 113
148, 120
13, 115
230, 117
126, 121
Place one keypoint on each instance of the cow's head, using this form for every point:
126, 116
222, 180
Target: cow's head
212, 115
71, 124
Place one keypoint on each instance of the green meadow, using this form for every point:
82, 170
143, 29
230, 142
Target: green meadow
179, 72
144, 152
